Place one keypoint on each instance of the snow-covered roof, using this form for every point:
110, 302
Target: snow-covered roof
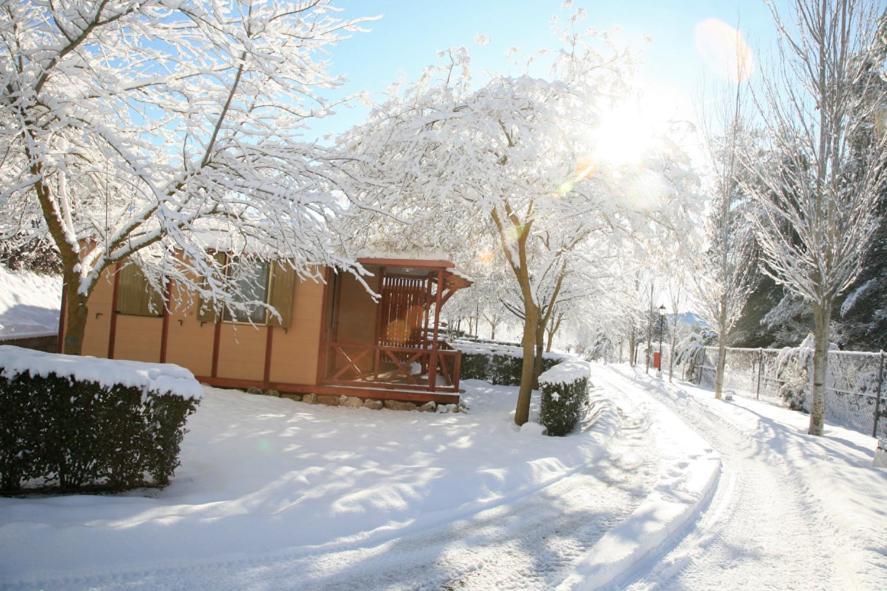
151, 378
29, 304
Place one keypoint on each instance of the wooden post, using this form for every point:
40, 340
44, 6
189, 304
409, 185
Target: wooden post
432, 364
164, 330
325, 326
61, 335
381, 325
269, 342
457, 370
217, 333
878, 396
760, 371
112, 333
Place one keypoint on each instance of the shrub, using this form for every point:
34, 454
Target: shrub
792, 369
564, 396
70, 433
497, 364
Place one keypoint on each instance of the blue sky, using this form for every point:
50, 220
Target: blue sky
410, 33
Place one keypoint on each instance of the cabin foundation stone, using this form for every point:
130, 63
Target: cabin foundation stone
373, 404
350, 402
328, 400
399, 405
429, 406
310, 398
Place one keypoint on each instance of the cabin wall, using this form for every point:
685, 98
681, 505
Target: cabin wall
189, 342
242, 351
294, 351
138, 338
242, 348
98, 321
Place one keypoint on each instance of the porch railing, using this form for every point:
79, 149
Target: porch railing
415, 367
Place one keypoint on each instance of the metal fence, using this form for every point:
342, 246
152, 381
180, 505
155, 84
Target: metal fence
854, 391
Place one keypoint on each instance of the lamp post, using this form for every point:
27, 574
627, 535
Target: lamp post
661, 324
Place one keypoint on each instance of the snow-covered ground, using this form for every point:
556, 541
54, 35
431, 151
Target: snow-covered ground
278, 494
791, 511
29, 304
274, 494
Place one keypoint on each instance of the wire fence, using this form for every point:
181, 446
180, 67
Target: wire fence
854, 391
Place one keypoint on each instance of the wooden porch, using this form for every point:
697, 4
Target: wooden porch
390, 347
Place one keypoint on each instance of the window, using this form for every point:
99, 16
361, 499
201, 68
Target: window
135, 296
252, 279
257, 281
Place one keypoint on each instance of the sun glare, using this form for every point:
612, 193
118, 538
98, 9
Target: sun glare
624, 135
724, 50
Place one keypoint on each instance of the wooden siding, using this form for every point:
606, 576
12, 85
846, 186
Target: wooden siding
242, 351
295, 350
138, 338
189, 342
98, 323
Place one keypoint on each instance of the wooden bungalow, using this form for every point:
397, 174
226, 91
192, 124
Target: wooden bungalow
332, 338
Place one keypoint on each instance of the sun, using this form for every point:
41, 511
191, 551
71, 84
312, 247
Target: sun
624, 135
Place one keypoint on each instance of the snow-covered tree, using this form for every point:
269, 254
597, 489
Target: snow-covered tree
818, 194
724, 276
490, 160
143, 130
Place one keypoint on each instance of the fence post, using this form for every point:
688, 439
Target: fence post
878, 396
760, 371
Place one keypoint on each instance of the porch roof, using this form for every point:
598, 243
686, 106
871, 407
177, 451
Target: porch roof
453, 278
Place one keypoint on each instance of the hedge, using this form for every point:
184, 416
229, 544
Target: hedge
65, 433
563, 381
499, 365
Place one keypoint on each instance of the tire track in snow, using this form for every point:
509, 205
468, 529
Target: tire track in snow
762, 530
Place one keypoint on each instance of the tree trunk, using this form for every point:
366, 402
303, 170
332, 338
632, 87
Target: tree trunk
719, 372
552, 331
648, 352
632, 347
493, 331
822, 318
540, 349
674, 333
522, 411
76, 314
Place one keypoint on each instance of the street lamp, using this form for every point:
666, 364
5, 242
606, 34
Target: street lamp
661, 324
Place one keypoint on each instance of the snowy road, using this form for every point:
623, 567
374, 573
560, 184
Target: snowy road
790, 511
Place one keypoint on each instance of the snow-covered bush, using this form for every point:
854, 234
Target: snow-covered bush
564, 396
496, 363
80, 423
792, 365
690, 352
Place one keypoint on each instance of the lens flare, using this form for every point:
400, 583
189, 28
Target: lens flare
724, 50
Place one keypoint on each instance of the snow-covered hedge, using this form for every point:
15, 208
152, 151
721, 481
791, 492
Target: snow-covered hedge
69, 422
496, 363
564, 396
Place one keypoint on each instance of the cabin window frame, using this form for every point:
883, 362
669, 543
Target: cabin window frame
227, 316
133, 271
